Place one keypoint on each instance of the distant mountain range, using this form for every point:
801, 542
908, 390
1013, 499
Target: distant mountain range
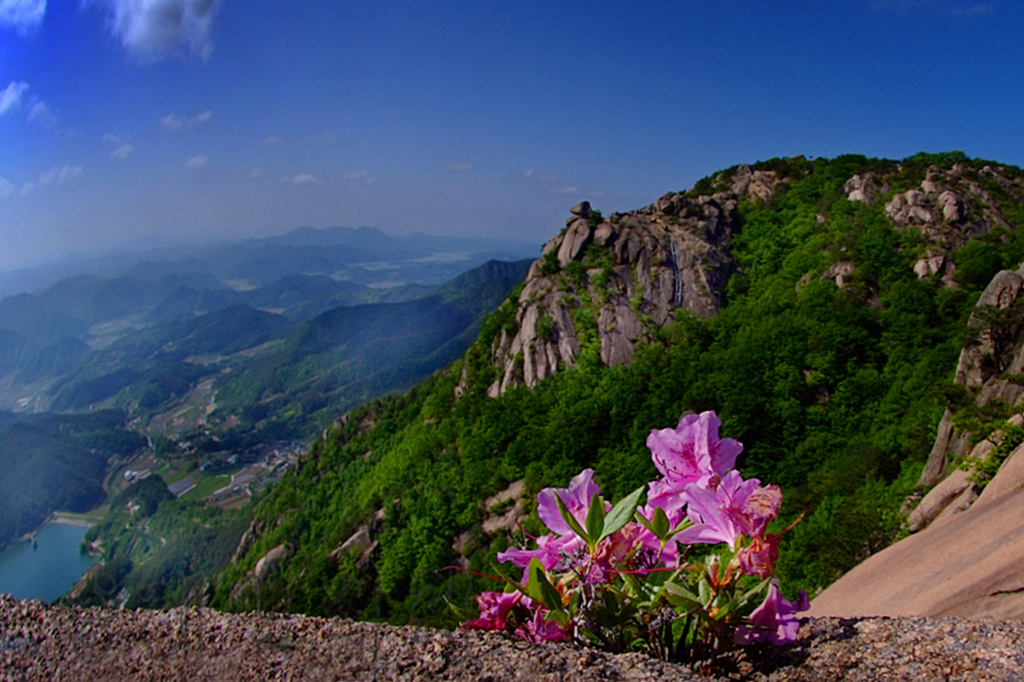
359, 256
230, 347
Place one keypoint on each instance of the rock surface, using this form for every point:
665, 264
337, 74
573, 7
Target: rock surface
621, 278
39, 642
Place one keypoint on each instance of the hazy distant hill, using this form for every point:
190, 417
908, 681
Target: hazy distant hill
359, 255
350, 354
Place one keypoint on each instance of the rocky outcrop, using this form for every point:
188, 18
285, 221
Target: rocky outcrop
267, 564
865, 188
949, 208
987, 368
611, 282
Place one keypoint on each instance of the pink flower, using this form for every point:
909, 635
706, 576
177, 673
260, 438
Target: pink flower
775, 620
760, 556
494, 609
733, 509
552, 551
540, 630
576, 498
692, 453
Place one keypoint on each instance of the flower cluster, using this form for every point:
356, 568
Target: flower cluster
623, 576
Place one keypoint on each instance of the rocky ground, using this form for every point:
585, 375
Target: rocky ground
39, 642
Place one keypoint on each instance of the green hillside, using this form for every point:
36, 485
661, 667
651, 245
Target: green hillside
829, 359
50, 462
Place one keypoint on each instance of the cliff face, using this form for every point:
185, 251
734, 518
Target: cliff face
964, 556
607, 284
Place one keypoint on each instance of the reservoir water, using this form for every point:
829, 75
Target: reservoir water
49, 570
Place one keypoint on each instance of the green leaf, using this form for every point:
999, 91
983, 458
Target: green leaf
680, 597
571, 520
540, 589
622, 512
659, 524
595, 518
741, 599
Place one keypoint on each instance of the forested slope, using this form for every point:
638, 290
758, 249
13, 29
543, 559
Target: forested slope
827, 349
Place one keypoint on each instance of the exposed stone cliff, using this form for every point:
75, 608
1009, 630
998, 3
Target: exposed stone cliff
608, 283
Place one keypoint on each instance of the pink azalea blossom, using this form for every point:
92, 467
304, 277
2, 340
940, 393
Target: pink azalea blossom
733, 509
538, 629
494, 609
576, 498
692, 453
552, 551
775, 620
760, 556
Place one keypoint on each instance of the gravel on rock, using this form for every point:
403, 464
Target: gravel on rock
40, 642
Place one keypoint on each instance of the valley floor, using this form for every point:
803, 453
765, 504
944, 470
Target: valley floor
203, 644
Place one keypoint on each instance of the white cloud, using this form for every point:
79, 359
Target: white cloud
256, 173
53, 176
364, 176
172, 122
273, 141
176, 123
122, 152
10, 97
154, 29
198, 161
25, 16
42, 114
301, 179
6, 189
461, 166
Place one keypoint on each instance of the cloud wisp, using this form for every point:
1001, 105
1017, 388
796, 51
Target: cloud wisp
121, 149
461, 166
552, 182
10, 97
151, 30
24, 16
54, 176
177, 124
197, 162
301, 179
362, 176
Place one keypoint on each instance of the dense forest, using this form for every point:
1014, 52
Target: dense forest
833, 384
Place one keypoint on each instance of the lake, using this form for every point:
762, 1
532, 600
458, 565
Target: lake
48, 571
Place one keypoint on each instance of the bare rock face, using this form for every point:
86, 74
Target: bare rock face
865, 188
964, 564
265, 566
995, 352
607, 284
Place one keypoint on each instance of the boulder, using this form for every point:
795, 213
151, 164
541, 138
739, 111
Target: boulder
581, 209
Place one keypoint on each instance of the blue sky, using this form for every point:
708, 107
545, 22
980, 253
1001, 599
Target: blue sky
171, 121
